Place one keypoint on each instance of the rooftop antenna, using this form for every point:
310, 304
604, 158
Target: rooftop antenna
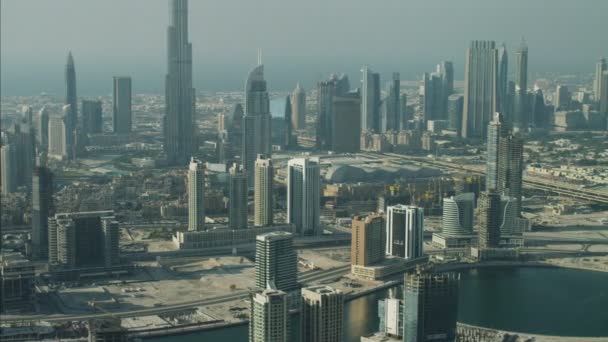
259, 56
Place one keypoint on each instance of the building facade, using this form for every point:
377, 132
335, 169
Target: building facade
368, 239
263, 191
322, 314
269, 316
404, 231
304, 195
122, 115
238, 195
276, 262
196, 195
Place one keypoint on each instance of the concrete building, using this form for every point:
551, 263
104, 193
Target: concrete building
196, 195
121, 105
404, 231
224, 236
9, 169
368, 241
390, 315
269, 316
298, 101
238, 195
304, 195
83, 240
431, 307
276, 262
322, 314
17, 276
481, 76
346, 128
58, 145
180, 97
256, 122
263, 192
42, 209
370, 100
92, 121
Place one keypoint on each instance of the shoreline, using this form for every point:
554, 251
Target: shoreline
392, 283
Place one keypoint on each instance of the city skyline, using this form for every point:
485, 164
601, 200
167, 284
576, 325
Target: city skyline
212, 54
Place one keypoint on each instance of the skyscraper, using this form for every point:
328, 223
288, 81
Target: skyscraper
404, 231
83, 239
25, 144
237, 209
368, 240
391, 106
196, 195
455, 102
600, 68
433, 92
445, 69
520, 119
288, 140
457, 218
178, 122
58, 136
9, 169
327, 91
604, 94
92, 121
390, 314
263, 191
504, 166
502, 82
42, 128
42, 208
346, 123
321, 314
269, 316
298, 101
71, 99
121, 105
276, 262
430, 307
496, 129
304, 195
489, 219
370, 100
256, 122
481, 76
562, 98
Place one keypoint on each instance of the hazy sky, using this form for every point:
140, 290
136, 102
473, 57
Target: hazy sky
301, 40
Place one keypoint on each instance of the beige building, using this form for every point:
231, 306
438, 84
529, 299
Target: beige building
368, 240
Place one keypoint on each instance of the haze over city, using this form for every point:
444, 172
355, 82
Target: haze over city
301, 40
310, 171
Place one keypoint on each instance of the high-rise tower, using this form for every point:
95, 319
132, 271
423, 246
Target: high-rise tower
178, 128
42, 206
256, 122
502, 102
321, 314
404, 231
121, 103
370, 100
298, 101
263, 191
303, 195
237, 209
71, 117
600, 67
481, 74
520, 119
269, 316
276, 262
196, 195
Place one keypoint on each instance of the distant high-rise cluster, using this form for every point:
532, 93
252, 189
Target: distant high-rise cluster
327, 91
178, 122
